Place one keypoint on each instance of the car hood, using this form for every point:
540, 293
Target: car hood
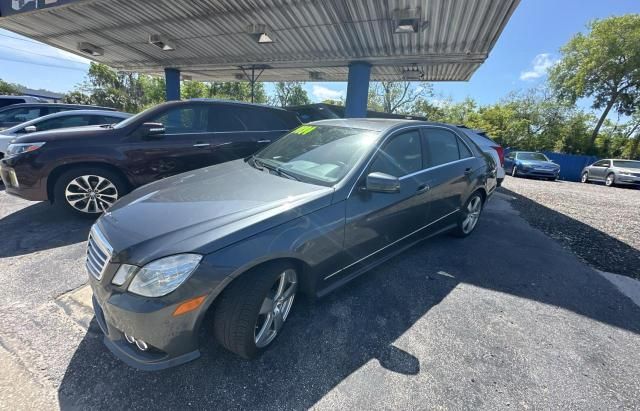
539, 163
204, 210
65, 134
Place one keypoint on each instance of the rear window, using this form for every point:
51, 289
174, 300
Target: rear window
9, 101
264, 119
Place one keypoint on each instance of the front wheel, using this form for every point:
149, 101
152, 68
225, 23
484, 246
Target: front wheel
253, 309
610, 180
469, 216
88, 191
585, 177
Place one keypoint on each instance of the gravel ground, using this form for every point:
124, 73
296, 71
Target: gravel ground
601, 225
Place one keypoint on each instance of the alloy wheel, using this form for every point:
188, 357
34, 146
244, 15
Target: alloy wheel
609, 180
585, 177
472, 215
90, 193
275, 308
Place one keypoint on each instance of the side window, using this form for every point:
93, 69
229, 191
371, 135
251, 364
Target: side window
62, 122
183, 119
441, 147
400, 156
20, 115
261, 119
463, 149
511, 156
97, 120
602, 163
224, 119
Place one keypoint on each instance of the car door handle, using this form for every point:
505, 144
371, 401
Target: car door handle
423, 188
467, 171
264, 141
202, 145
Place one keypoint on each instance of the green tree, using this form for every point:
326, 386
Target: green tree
290, 93
193, 89
237, 90
603, 64
398, 96
9, 88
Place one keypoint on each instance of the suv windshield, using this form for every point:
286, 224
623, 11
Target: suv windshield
317, 154
532, 157
626, 164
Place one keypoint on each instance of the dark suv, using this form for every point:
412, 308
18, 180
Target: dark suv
86, 169
19, 113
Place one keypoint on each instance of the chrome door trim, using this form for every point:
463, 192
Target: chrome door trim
390, 244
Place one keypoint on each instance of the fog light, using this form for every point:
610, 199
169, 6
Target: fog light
142, 345
129, 338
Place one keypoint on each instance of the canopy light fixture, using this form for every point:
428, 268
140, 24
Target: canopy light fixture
90, 49
406, 21
316, 75
414, 74
260, 33
160, 42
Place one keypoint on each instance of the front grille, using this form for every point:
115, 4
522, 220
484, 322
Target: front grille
98, 253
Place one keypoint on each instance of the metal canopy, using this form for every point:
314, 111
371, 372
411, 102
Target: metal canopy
312, 40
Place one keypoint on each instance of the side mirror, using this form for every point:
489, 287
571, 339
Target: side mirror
30, 129
382, 183
151, 129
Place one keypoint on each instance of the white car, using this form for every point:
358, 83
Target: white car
490, 147
63, 119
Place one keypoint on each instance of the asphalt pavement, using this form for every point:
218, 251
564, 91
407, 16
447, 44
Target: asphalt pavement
504, 318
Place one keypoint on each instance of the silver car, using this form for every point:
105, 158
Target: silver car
613, 172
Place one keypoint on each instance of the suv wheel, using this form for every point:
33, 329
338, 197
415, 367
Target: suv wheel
610, 180
469, 216
253, 309
88, 191
585, 177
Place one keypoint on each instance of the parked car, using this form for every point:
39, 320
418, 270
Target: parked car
19, 113
305, 215
63, 119
531, 164
9, 100
613, 172
86, 169
490, 147
323, 111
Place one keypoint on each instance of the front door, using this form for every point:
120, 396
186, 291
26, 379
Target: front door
376, 220
599, 169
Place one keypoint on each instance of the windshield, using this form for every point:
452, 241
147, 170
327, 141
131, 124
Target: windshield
626, 164
318, 154
532, 157
133, 119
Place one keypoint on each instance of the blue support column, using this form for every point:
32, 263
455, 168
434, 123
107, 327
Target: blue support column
172, 83
357, 89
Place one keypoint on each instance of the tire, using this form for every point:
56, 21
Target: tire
499, 182
475, 203
610, 180
88, 191
514, 171
585, 177
238, 322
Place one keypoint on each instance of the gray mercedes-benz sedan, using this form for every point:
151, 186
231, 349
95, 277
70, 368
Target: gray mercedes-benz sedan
612, 172
240, 240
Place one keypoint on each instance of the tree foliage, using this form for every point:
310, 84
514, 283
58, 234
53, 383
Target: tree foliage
290, 93
9, 89
397, 96
603, 64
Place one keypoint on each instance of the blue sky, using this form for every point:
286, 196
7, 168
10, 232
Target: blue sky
528, 45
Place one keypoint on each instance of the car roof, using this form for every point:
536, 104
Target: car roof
88, 106
229, 102
88, 112
376, 124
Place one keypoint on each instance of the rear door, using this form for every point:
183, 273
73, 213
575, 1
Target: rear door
449, 170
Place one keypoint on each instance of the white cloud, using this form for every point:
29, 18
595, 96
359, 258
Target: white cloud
541, 64
16, 46
321, 93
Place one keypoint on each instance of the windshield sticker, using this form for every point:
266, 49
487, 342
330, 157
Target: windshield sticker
303, 130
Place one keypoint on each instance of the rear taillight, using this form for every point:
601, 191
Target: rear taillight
500, 152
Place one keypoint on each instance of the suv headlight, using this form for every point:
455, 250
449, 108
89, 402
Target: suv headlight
19, 148
162, 276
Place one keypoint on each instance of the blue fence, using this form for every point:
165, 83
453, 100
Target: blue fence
570, 165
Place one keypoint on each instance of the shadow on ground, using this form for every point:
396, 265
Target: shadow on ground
40, 227
327, 341
596, 247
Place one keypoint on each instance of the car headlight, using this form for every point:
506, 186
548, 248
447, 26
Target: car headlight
19, 148
162, 276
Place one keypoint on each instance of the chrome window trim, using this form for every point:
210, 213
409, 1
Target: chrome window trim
390, 244
395, 133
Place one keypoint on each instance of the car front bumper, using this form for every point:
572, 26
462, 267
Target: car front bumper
536, 172
22, 180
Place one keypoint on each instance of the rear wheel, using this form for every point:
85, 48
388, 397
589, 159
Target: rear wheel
253, 309
610, 180
88, 191
585, 177
469, 216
